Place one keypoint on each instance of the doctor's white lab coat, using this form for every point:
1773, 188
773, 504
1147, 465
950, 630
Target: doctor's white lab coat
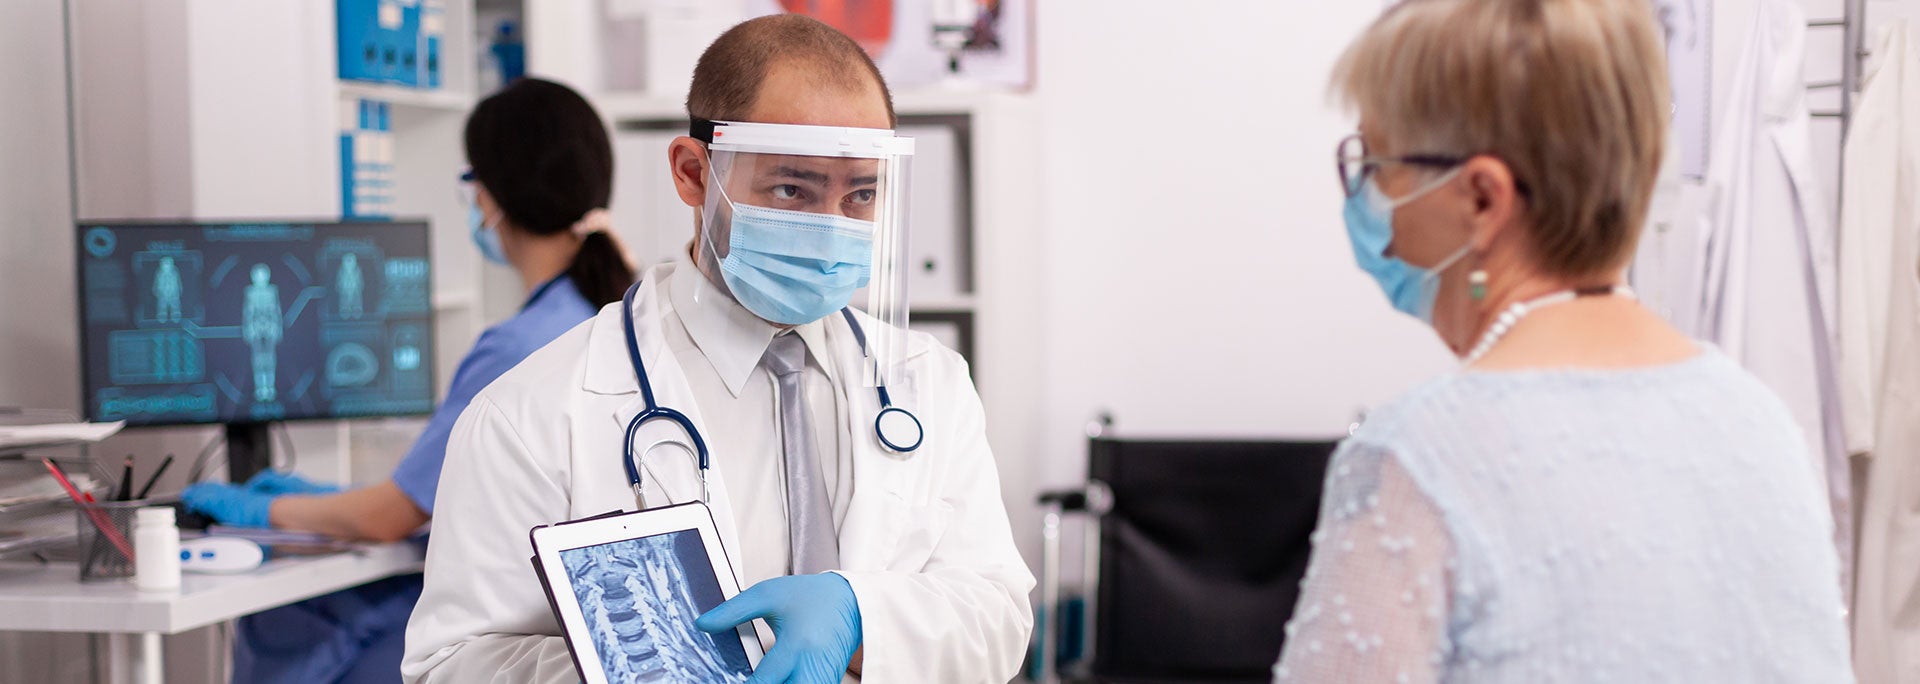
926, 544
1880, 356
1751, 268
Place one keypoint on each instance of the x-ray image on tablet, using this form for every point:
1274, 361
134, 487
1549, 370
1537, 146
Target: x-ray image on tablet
639, 598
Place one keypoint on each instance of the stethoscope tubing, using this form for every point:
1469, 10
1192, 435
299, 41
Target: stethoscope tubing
654, 411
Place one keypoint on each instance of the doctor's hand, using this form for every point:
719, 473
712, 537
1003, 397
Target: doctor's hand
815, 621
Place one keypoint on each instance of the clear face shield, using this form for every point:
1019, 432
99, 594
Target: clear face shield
801, 219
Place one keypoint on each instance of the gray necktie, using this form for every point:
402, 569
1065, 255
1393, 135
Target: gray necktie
814, 543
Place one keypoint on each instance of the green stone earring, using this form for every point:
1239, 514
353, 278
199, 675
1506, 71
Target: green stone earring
1477, 284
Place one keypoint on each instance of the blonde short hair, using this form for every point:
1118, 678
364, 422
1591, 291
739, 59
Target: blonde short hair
1571, 94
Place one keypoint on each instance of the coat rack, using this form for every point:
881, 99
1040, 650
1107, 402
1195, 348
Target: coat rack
1852, 63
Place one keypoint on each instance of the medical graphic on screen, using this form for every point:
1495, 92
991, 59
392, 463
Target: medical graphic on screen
240, 323
640, 598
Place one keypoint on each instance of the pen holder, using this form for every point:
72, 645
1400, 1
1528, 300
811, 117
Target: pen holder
106, 537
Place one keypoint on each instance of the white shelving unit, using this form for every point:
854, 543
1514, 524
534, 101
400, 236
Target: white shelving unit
632, 108
436, 100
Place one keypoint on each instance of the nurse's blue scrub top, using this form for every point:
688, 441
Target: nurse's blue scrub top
358, 634
554, 308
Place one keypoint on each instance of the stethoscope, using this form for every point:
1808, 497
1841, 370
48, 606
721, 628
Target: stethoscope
897, 428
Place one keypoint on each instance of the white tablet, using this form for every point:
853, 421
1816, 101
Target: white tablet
627, 587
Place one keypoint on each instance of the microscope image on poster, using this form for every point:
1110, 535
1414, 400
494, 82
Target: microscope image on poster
640, 598
235, 323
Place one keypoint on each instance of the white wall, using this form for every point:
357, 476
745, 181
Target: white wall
1198, 278
36, 264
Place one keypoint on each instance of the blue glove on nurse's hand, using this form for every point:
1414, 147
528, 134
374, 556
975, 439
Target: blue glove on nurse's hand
275, 483
228, 504
815, 621
248, 505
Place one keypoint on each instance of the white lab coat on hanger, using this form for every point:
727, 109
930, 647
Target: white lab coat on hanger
1880, 355
1765, 241
926, 544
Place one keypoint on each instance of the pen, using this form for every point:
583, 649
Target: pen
126, 481
99, 519
155, 478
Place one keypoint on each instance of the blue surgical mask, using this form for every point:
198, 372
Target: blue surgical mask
485, 237
795, 267
1370, 228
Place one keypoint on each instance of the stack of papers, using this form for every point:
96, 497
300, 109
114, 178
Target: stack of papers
38, 489
56, 433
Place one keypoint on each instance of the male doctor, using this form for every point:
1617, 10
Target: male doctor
850, 481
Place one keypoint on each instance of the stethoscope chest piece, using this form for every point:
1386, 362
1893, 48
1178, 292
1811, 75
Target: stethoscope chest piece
899, 430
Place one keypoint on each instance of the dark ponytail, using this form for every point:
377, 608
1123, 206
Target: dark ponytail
600, 270
543, 154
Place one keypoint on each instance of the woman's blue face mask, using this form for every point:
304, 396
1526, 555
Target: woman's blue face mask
1369, 215
485, 237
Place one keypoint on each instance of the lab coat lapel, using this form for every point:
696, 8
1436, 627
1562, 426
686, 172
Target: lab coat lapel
875, 515
674, 477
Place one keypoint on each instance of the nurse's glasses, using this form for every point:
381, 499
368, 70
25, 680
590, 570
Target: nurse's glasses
469, 196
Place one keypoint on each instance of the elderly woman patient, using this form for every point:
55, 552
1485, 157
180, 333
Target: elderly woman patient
1591, 496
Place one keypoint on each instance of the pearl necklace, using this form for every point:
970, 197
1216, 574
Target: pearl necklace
1507, 319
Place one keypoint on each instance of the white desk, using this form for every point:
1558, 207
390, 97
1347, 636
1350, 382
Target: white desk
37, 597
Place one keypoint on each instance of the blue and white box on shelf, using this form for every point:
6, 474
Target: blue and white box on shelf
433, 35
366, 159
383, 41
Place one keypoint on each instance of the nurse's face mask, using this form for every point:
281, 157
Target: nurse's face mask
800, 218
485, 236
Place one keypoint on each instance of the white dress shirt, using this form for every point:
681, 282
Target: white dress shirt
719, 344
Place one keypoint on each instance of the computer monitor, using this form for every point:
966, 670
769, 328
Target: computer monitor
245, 324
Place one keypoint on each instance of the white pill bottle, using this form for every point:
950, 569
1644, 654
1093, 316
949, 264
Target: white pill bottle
156, 550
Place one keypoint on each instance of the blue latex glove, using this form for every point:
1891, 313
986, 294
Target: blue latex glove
815, 621
229, 504
275, 483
